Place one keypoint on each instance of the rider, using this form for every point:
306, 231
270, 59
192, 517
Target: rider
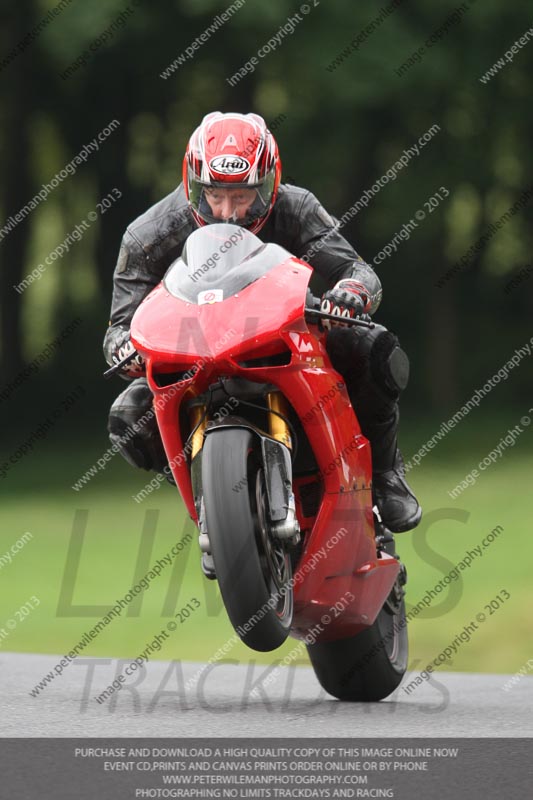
231, 173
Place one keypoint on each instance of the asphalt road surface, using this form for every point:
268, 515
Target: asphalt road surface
189, 699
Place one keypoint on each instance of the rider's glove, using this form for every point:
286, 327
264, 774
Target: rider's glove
347, 300
134, 368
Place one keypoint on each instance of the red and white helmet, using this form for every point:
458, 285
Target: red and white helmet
233, 151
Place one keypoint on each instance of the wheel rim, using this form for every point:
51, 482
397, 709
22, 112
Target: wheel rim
275, 561
388, 628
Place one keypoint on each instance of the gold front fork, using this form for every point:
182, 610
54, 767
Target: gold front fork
196, 414
277, 426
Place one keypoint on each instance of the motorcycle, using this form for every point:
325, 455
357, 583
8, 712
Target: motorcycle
269, 458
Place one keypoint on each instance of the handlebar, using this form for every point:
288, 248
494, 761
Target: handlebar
119, 364
313, 310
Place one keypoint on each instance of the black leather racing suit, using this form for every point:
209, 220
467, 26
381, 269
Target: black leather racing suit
370, 360
297, 222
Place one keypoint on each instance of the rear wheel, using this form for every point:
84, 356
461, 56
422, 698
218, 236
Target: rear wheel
370, 665
252, 567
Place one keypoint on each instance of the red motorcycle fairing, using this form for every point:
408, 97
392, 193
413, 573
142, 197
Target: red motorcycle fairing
188, 346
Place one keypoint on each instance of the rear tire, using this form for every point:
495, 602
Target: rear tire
369, 666
251, 566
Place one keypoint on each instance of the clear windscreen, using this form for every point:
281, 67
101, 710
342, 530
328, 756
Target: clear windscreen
223, 259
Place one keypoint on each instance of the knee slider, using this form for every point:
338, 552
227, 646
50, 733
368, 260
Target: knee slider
389, 364
398, 364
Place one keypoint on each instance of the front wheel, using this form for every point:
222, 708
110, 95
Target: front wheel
253, 569
370, 665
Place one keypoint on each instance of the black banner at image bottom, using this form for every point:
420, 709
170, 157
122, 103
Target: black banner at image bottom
126, 769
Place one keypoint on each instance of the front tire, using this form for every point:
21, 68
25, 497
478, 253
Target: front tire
251, 566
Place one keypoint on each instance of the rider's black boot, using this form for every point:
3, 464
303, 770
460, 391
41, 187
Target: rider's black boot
397, 505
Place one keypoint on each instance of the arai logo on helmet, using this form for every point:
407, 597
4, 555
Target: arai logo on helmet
229, 165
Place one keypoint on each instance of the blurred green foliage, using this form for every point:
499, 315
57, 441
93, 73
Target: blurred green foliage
343, 128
